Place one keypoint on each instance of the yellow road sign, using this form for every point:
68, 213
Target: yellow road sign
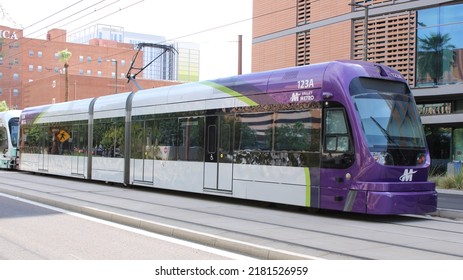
63, 136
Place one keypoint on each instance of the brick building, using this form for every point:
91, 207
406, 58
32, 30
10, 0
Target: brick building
31, 72
316, 31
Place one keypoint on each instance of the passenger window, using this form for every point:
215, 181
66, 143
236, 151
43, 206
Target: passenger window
331, 143
211, 141
336, 133
335, 121
3, 139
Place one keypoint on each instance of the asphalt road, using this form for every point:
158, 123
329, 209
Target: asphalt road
32, 232
260, 231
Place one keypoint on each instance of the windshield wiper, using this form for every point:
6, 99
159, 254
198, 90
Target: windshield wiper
385, 132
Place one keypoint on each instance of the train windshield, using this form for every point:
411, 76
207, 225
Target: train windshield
14, 131
390, 121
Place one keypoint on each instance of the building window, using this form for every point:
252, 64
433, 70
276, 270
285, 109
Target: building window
99, 73
31, 53
15, 92
31, 67
1, 75
440, 48
439, 140
39, 68
81, 58
89, 72
81, 72
56, 56
1, 60
56, 69
1, 91
15, 76
89, 59
39, 54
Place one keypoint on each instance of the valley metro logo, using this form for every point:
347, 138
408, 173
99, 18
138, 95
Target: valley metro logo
407, 176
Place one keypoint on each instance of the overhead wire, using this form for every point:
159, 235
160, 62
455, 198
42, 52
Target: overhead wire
76, 13
220, 26
27, 39
160, 42
52, 15
107, 15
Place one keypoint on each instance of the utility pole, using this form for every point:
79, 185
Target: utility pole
240, 54
365, 28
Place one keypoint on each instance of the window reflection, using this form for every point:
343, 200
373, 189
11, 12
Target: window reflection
440, 46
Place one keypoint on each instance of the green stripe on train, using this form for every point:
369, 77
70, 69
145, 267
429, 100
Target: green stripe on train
307, 187
230, 92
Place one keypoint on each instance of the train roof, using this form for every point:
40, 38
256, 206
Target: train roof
111, 106
59, 112
289, 85
247, 90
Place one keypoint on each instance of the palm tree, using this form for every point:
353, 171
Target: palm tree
435, 56
65, 56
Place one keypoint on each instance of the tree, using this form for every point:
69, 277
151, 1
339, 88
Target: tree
65, 56
435, 56
3, 106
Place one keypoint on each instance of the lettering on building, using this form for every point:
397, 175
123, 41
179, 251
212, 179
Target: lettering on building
434, 109
7, 34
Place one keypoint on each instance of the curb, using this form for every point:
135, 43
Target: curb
448, 213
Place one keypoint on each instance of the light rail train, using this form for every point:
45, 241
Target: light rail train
342, 135
9, 130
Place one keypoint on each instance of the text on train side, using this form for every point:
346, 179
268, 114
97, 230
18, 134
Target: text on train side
302, 84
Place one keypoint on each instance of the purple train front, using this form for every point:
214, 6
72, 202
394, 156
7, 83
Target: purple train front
371, 155
342, 135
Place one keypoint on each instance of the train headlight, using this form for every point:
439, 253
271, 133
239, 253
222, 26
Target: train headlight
383, 158
421, 158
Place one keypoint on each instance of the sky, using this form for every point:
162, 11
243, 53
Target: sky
214, 24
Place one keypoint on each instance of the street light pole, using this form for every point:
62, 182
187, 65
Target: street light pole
365, 28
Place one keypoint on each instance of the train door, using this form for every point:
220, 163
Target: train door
218, 169
45, 148
338, 156
77, 141
144, 148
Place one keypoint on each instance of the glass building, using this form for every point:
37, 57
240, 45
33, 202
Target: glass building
440, 46
439, 65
